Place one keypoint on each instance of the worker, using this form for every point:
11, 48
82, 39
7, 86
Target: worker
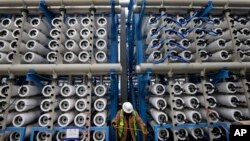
126, 122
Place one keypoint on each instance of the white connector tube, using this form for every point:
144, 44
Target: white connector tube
33, 58
177, 102
17, 32
102, 22
3, 58
163, 133
155, 56
201, 43
86, 22
45, 119
211, 114
181, 134
158, 116
83, 57
6, 35
84, 44
27, 104
226, 87
57, 23
47, 104
71, 45
60, 136
152, 23
189, 88
67, 104
220, 56
188, 45
157, 89
80, 119
40, 24
100, 118
42, 136
196, 132
101, 57
4, 46
25, 118
152, 34
100, 104
48, 90
153, 46
28, 90
73, 34
99, 135
209, 88
70, 57
74, 23
175, 89
216, 132
81, 90
56, 35
193, 116
187, 55
227, 100
204, 55
36, 47
38, 36
81, 105
66, 118
230, 114
68, 90
100, 90
212, 102
7, 23
51, 57
10, 57
178, 116
191, 102
85, 33
158, 102
101, 45
56, 46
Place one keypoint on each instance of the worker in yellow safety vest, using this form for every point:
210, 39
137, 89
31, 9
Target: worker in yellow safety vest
126, 120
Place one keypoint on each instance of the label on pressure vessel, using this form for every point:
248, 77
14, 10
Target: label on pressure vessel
72, 133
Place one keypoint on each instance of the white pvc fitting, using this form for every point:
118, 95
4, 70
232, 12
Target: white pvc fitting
57, 23
152, 34
85, 33
227, 100
163, 133
84, 44
4, 46
196, 132
154, 56
7, 23
201, 43
157, 89
100, 104
70, 57
211, 114
102, 22
14, 136
175, 89
39, 24
36, 47
27, 104
52, 57
220, 56
71, 45
101, 57
187, 55
56, 35
17, 32
28, 90
81, 105
101, 45
56, 46
67, 104
6, 35
100, 90
83, 57
47, 104
191, 102
189, 88
73, 34
216, 45
99, 135
81, 90
25, 118
3, 58
209, 88
226, 87
181, 134
212, 102
68, 90
204, 55
101, 33
153, 46
178, 116
193, 116
48, 90
60, 136
42, 136
188, 45
66, 118
33, 58
158, 102
152, 23
80, 119
38, 36
158, 116
177, 102
45, 119
86, 22
229, 113
100, 118
74, 23
216, 132
10, 57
